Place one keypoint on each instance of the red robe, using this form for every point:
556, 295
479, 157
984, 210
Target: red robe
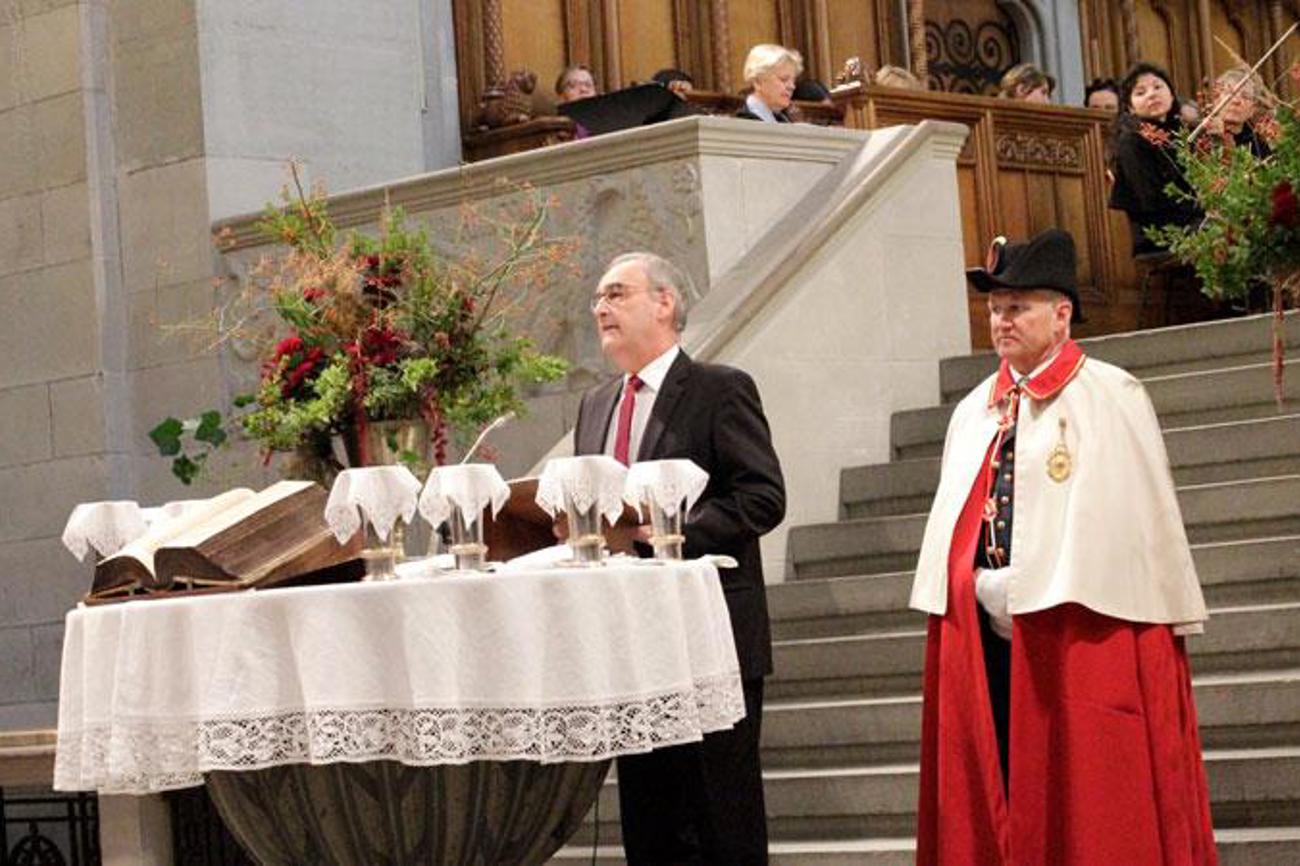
1105, 759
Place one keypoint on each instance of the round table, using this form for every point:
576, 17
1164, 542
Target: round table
452, 719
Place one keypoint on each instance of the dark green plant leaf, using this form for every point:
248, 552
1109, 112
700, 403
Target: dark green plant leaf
167, 436
210, 429
186, 469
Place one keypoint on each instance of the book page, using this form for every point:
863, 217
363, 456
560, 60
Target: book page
217, 522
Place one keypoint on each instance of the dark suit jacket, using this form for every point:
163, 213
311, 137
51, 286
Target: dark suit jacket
712, 415
781, 116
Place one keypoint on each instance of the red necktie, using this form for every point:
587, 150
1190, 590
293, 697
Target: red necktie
623, 433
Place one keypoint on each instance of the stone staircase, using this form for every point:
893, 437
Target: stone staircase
843, 713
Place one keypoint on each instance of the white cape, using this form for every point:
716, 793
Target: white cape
1109, 536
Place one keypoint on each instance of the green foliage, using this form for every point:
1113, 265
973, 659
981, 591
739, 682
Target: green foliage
207, 432
384, 327
1246, 234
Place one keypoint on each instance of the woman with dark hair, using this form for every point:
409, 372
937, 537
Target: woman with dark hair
1142, 155
1102, 93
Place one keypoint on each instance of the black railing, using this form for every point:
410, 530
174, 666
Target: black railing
49, 829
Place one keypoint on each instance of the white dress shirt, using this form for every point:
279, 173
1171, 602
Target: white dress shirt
652, 377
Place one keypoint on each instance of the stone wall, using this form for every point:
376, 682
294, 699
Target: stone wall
127, 127
54, 442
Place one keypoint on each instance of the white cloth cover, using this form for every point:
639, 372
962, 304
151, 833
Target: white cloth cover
591, 478
550, 665
106, 527
667, 481
380, 494
470, 486
1109, 536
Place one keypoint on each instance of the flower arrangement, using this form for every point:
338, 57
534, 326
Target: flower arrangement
380, 328
1250, 234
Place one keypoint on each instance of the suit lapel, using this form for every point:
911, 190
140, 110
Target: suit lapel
593, 434
665, 404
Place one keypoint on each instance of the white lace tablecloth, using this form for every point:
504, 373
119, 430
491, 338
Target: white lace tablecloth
545, 665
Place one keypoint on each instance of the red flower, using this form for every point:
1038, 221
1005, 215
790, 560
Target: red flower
1268, 129
1154, 134
1286, 210
287, 346
296, 375
312, 294
379, 346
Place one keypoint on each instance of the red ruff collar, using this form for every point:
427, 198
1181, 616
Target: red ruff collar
1046, 384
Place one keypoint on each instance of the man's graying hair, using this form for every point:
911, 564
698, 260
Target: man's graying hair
664, 275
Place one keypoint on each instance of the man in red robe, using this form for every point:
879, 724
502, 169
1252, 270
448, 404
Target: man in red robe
1059, 725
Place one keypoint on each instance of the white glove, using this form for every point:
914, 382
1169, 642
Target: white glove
991, 590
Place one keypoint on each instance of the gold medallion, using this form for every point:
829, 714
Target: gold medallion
1059, 461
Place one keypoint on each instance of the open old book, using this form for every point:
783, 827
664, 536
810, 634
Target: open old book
237, 540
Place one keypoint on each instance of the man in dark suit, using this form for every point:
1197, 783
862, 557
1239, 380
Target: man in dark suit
701, 802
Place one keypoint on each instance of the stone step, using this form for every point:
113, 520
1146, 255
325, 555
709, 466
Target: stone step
1203, 454
1222, 511
1237, 639
825, 852
1180, 399
1179, 349
1254, 571
1250, 710
1248, 788
1238, 846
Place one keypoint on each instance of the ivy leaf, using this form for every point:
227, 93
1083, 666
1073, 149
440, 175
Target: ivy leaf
210, 429
186, 469
167, 436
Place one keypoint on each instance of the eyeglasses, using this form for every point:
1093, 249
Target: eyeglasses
615, 294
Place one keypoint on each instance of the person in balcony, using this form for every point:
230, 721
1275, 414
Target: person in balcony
1236, 119
677, 81
771, 72
1142, 156
1027, 83
1102, 93
574, 83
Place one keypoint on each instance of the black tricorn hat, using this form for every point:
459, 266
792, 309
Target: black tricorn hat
1045, 261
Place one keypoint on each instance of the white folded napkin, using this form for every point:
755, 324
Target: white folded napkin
469, 486
380, 494
593, 478
105, 527
667, 482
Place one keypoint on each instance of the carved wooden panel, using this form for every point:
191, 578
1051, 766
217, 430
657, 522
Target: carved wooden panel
751, 22
650, 43
1026, 168
852, 32
535, 37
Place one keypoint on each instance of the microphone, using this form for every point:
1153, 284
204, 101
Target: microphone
499, 421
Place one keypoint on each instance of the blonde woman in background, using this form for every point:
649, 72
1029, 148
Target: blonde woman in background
1028, 83
771, 72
